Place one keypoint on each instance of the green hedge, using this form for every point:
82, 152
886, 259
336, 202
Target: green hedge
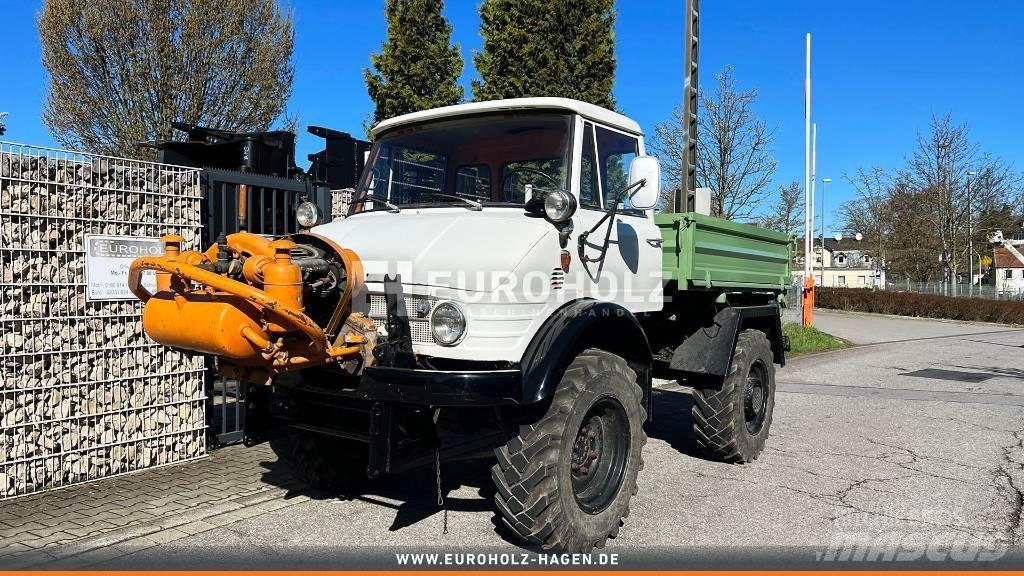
920, 305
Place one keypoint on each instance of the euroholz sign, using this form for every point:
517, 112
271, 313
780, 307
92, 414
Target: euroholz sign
107, 259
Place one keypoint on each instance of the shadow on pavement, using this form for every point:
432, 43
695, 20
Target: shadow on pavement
413, 494
673, 422
997, 371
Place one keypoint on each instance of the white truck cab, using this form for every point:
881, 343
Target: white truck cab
481, 208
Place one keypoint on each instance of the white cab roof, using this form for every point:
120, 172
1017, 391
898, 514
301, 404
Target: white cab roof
596, 113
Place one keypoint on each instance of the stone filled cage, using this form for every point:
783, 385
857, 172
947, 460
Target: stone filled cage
84, 394
341, 200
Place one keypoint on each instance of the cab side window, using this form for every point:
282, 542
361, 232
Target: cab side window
590, 195
615, 152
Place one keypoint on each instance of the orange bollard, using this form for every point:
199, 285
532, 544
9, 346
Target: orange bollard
808, 302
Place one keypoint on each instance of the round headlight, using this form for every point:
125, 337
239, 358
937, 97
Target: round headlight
447, 323
559, 206
307, 214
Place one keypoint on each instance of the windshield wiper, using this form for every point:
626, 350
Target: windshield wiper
472, 204
371, 198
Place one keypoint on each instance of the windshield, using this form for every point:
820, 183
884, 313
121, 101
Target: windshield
498, 159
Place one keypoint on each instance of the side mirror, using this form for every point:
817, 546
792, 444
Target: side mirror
645, 168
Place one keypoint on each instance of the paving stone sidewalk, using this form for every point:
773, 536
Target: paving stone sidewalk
80, 525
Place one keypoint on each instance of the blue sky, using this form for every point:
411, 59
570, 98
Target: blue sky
881, 68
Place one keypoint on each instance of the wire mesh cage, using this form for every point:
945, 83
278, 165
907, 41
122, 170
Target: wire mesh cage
341, 199
84, 394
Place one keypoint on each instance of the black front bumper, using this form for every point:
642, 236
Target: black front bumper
441, 387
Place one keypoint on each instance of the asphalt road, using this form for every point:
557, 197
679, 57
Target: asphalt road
912, 440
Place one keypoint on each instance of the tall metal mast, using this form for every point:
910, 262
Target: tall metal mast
690, 67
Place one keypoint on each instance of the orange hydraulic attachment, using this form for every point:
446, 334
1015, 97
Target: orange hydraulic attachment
244, 325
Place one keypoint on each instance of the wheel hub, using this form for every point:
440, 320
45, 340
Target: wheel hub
587, 447
599, 453
755, 398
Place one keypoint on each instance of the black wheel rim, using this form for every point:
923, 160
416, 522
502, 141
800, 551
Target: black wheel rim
599, 454
755, 397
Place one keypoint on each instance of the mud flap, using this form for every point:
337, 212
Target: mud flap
707, 352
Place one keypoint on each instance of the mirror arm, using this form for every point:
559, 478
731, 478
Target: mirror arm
610, 217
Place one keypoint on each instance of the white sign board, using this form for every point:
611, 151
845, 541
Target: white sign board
107, 259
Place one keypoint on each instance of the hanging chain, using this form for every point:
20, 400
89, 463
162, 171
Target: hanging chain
440, 492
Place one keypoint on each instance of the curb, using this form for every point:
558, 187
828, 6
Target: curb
811, 355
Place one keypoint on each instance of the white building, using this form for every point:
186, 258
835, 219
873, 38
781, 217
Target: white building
845, 263
1009, 271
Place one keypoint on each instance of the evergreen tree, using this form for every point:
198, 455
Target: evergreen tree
417, 67
547, 48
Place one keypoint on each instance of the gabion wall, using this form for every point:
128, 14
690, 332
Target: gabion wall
340, 201
84, 394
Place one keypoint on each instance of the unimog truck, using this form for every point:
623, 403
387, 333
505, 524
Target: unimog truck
502, 286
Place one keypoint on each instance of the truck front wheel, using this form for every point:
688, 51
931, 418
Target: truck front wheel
731, 423
565, 481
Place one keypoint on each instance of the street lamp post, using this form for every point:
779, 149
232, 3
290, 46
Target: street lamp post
970, 231
824, 187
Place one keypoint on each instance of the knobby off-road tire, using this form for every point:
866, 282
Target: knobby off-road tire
565, 481
324, 462
731, 423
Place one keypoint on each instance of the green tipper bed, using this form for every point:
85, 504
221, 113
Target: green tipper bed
704, 252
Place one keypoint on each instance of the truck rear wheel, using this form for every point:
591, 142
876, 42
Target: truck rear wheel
335, 465
565, 481
731, 423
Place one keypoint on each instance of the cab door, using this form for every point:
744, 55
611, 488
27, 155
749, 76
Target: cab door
628, 269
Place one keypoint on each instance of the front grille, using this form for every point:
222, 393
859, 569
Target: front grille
419, 323
557, 279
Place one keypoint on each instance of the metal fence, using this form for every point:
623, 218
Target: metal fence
268, 203
960, 290
84, 394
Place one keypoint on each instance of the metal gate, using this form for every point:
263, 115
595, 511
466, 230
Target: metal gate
225, 408
267, 207
267, 203
83, 393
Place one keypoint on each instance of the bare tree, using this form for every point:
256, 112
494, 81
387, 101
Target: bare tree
869, 212
938, 170
734, 154
122, 70
668, 143
996, 191
911, 243
786, 214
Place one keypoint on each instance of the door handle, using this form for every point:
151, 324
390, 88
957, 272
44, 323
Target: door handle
656, 242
